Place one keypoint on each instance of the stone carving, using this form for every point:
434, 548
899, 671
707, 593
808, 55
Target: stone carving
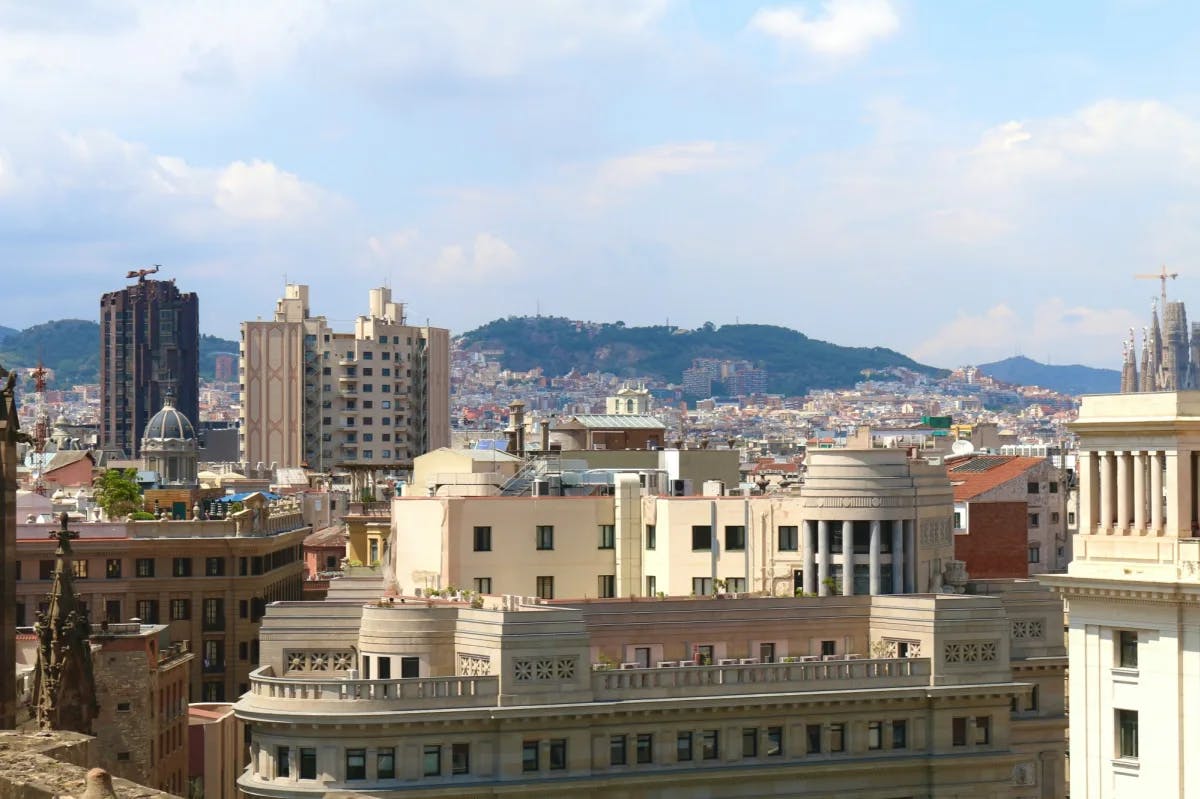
890, 648
936, 532
320, 660
1028, 628
970, 651
1024, 774
473, 665
545, 669
856, 502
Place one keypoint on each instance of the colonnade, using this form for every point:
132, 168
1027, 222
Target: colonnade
820, 558
1124, 492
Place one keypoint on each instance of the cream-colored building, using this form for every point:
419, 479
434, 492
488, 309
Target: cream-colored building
865, 522
1133, 596
876, 697
375, 397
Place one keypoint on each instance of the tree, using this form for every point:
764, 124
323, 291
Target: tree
117, 492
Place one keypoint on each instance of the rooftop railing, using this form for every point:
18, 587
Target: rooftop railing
403, 694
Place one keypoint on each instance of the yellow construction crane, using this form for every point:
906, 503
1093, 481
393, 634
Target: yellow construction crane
1163, 275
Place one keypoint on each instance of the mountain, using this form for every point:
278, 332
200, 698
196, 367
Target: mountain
71, 347
5, 332
794, 362
1073, 379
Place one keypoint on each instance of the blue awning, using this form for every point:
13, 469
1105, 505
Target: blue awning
242, 496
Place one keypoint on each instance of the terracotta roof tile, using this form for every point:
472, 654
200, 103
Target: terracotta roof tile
969, 482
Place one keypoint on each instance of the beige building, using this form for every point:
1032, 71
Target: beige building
866, 522
867, 696
375, 397
215, 749
1133, 595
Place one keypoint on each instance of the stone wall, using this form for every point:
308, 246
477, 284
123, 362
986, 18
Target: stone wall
52, 765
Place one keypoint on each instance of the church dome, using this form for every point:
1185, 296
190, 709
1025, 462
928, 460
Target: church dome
169, 423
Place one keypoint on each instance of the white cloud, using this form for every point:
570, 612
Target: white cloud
262, 192
650, 165
486, 258
841, 28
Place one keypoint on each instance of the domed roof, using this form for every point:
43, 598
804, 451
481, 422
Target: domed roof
170, 423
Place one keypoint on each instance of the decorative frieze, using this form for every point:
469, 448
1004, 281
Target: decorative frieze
970, 651
318, 660
858, 502
544, 669
1028, 629
470, 665
936, 532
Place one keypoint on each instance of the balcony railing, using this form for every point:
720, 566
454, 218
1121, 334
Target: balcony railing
416, 692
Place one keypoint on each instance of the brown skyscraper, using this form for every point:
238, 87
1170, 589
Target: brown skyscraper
149, 344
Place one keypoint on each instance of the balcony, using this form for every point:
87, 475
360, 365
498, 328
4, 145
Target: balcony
284, 693
350, 377
347, 360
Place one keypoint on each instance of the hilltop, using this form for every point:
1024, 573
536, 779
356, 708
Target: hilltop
794, 362
1069, 379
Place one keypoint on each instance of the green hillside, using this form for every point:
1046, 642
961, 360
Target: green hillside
794, 362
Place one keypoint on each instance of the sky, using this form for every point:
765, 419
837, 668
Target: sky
961, 182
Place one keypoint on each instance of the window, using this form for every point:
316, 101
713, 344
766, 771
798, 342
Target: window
545, 536
899, 734
651, 536
645, 747
1033, 487
766, 652
606, 586
112, 610
1035, 554
45, 570
545, 587
874, 734
735, 585
308, 764
181, 567
529, 756
710, 744
1054, 517
1053, 487
122, 756
828, 648
431, 760
774, 741
789, 538
837, 737
1127, 733
1127, 649
356, 764
214, 567
958, 520
483, 539
735, 537
460, 758
702, 586
148, 611
683, 747
282, 767
214, 614
1071, 518
608, 536
144, 567
750, 742
483, 585
409, 667
385, 763
123, 707
1035, 520
79, 569
813, 734
983, 729
558, 754
958, 730
181, 609
112, 568
616, 750
651, 585
701, 537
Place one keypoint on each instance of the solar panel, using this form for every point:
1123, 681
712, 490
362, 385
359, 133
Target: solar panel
982, 463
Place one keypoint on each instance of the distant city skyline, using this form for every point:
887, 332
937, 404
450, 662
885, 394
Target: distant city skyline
960, 183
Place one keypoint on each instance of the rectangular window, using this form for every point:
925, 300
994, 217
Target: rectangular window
608, 536
308, 764
545, 587
483, 539
735, 585
148, 611
899, 734
958, 520
545, 536
431, 760
483, 585
750, 742
214, 567
735, 537
837, 737
651, 585
112, 610
1127, 649
1071, 518
828, 648
356, 764
606, 586
651, 536
282, 767
958, 730
144, 567
181, 567
1127, 734
410, 667
701, 537
385, 764
46, 570
558, 754
983, 729
702, 586
180, 609
79, 569
683, 747
874, 734
112, 568
1053, 487
789, 538
1054, 517
1033, 487
616, 750
774, 741
460, 758
529, 756
1034, 520
645, 747
214, 614
1035, 554
710, 745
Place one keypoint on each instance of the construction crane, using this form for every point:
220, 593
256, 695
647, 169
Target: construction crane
41, 426
1163, 275
140, 274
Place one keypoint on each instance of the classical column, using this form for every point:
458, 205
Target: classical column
1178, 491
1156, 492
910, 556
876, 534
897, 557
810, 558
1088, 491
847, 558
1122, 522
1139, 492
822, 557
1106, 492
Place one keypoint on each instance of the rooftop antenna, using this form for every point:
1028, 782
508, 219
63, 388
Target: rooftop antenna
1162, 275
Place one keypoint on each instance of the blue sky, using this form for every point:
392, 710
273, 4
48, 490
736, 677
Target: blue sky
959, 181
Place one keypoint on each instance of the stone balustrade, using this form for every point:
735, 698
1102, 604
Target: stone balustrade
401, 694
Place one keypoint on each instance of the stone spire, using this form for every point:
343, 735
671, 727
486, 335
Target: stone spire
1129, 377
1147, 373
64, 689
1156, 349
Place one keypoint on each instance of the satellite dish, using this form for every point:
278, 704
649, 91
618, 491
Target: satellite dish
962, 447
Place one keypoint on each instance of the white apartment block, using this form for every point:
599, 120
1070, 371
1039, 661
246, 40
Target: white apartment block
373, 398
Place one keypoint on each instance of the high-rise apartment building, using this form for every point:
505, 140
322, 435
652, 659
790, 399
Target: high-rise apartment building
375, 397
149, 349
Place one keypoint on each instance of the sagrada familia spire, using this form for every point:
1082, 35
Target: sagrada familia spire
64, 691
1170, 353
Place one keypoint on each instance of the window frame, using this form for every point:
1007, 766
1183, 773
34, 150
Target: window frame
1127, 649
356, 764
460, 758
787, 538
608, 537
702, 537
735, 538
618, 750
544, 537
1126, 727
385, 753
710, 744
482, 538
431, 760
